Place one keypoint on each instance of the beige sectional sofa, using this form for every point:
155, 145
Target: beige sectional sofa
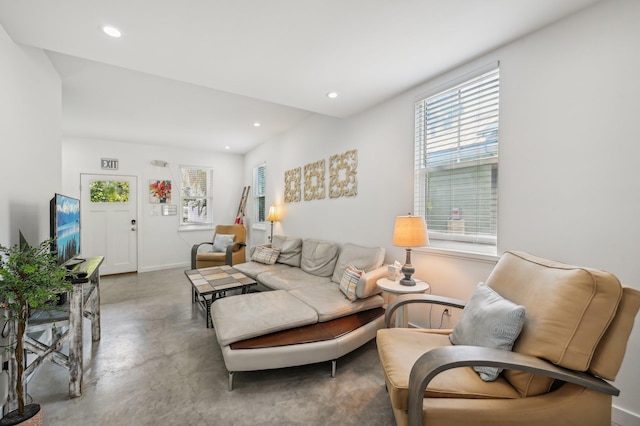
300, 282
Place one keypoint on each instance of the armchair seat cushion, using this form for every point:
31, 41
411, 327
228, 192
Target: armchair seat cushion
400, 348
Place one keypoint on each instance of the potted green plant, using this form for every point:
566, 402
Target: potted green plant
30, 279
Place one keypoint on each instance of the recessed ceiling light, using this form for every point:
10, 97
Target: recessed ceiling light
227, 147
332, 95
256, 124
111, 31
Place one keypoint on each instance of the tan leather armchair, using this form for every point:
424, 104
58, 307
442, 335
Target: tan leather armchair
575, 332
234, 254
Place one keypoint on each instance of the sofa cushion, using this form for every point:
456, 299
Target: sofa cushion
290, 249
491, 321
289, 278
329, 302
349, 282
262, 313
266, 255
222, 241
253, 269
399, 349
568, 310
319, 257
364, 258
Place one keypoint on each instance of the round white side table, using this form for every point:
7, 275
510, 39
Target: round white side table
394, 287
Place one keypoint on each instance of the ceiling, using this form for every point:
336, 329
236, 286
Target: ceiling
199, 73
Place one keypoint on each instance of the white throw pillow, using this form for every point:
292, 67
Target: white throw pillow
266, 255
491, 321
222, 241
349, 282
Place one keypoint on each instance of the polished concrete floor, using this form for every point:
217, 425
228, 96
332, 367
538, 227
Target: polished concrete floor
157, 364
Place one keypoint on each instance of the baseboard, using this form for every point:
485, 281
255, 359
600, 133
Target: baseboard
162, 267
623, 417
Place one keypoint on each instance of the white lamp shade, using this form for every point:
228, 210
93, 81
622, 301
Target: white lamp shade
273, 214
410, 231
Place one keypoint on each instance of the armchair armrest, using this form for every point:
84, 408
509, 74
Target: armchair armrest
228, 258
367, 283
406, 299
194, 252
438, 360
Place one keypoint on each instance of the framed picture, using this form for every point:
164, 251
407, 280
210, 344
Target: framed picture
159, 191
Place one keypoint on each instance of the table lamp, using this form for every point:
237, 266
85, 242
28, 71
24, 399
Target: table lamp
410, 231
272, 217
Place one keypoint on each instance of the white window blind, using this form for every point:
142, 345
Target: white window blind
260, 186
195, 195
456, 160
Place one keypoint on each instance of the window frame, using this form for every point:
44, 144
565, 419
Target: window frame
260, 193
477, 242
208, 197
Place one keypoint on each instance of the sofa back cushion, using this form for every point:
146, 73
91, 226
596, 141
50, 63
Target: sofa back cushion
290, 249
319, 257
569, 308
363, 258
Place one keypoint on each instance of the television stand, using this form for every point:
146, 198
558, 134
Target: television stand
84, 303
72, 263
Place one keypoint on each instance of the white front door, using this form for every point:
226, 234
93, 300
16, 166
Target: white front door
109, 222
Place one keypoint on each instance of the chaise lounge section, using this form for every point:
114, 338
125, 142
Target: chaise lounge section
312, 307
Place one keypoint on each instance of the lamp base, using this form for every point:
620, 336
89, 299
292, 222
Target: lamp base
407, 282
408, 270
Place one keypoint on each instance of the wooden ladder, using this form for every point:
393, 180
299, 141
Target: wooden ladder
243, 203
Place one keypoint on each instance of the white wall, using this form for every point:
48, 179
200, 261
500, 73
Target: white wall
29, 149
30, 141
160, 245
568, 176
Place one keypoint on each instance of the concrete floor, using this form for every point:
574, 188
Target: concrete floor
157, 364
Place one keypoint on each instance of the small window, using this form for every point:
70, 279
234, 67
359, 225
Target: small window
195, 195
108, 191
456, 161
259, 185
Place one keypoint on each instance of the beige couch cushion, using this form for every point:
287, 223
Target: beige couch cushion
253, 269
290, 278
329, 302
400, 348
319, 257
363, 258
568, 310
290, 249
262, 313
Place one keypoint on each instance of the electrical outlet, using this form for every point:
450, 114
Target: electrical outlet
447, 313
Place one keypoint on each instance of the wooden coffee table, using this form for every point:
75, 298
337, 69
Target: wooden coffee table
209, 284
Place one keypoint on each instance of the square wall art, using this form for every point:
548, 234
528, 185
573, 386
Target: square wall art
343, 174
159, 191
292, 184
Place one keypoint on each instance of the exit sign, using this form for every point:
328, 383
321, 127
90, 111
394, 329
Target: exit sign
109, 163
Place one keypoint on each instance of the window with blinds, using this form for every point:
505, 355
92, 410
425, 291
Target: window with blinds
259, 185
456, 160
196, 196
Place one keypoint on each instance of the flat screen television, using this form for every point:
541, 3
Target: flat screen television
65, 229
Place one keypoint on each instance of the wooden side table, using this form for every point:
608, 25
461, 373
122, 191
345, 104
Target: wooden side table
84, 303
394, 287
